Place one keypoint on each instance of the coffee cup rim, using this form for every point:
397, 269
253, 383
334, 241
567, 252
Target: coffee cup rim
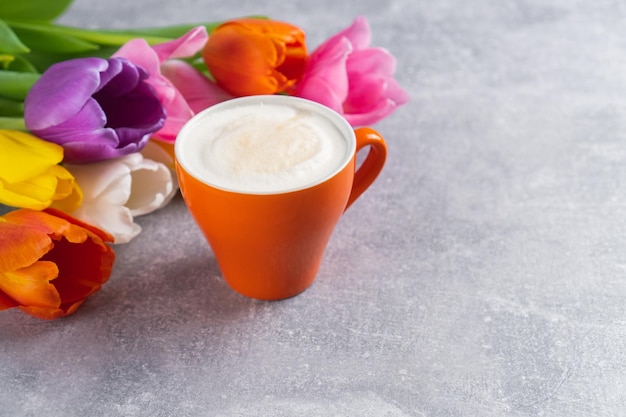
337, 119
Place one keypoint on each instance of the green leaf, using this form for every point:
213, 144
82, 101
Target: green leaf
169, 32
33, 10
19, 64
88, 36
42, 60
45, 38
13, 123
5, 61
15, 85
11, 108
118, 37
9, 42
173, 31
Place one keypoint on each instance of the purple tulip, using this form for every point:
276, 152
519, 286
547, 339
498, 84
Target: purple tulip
95, 108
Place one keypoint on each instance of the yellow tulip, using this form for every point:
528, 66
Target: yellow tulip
30, 174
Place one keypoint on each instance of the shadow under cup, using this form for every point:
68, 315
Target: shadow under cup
269, 245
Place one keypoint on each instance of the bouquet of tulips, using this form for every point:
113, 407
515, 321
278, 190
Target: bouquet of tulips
88, 119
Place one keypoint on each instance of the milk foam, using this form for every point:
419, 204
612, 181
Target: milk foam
263, 148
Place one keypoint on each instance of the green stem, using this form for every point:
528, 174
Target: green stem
15, 85
101, 37
117, 37
11, 108
12, 123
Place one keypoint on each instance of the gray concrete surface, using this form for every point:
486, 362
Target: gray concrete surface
484, 274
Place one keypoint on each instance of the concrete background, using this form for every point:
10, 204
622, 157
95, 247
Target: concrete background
484, 274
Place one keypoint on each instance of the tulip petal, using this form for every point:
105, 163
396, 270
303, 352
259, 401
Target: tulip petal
384, 108
372, 61
358, 34
116, 190
255, 56
374, 94
50, 262
372, 99
98, 179
59, 84
89, 118
139, 52
46, 313
77, 225
178, 114
326, 79
356, 82
256, 76
112, 112
366, 95
152, 187
108, 74
185, 46
151, 58
132, 118
71, 199
24, 156
21, 246
89, 146
7, 302
36, 193
106, 189
197, 90
162, 152
74, 258
115, 219
29, 174
31, 285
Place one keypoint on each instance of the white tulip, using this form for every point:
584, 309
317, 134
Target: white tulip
117, 190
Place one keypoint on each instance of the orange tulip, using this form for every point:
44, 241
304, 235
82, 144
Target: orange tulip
50, 262
255, 56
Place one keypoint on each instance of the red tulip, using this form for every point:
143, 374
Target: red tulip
50, 262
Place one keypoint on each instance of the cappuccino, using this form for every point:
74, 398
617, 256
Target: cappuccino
261, 145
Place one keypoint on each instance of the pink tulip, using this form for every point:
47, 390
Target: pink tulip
196, 88
151, 58
354, 79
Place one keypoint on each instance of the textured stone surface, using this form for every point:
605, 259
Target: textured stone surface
484, 274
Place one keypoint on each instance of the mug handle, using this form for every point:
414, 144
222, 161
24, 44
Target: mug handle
373, 164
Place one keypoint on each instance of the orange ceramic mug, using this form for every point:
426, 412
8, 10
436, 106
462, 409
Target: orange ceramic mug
266, 179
